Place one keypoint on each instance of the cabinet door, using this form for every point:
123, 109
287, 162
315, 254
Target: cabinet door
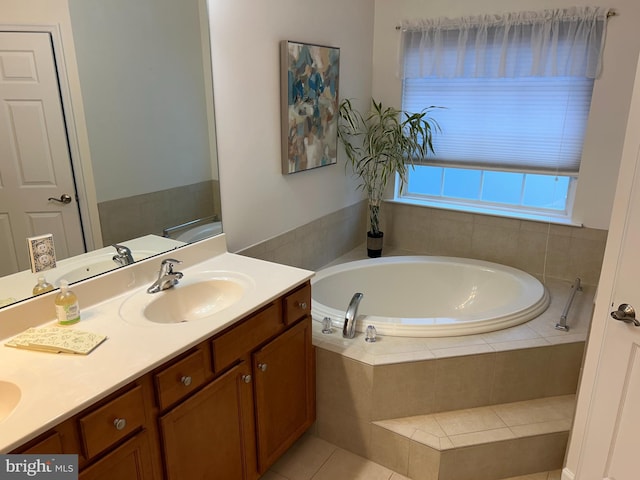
131, 461
64, 438
284, 392
205, 437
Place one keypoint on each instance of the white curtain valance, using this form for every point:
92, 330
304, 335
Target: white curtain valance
558, 42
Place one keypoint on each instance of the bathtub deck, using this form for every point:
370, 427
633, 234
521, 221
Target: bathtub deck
536, 333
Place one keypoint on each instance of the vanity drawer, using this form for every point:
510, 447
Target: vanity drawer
113, 421
246, 336
297, 304
177, 380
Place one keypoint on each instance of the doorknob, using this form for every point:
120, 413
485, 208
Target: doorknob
627, 314
64, 199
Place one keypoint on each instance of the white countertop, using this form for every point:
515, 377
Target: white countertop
19, 286
55, 387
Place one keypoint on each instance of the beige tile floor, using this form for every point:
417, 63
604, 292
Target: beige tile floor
312, 458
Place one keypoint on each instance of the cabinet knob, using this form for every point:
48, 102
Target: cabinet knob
262, 367
246, 378
120, 423
302, 305
185, 380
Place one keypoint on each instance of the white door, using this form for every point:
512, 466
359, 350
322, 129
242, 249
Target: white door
35, 163
611, 444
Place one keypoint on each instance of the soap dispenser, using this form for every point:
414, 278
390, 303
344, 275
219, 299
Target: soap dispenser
42, 286
67, 308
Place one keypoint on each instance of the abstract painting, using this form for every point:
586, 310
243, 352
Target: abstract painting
309, 97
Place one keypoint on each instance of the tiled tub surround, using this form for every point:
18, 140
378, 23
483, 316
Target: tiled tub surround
132, 217
385, 400
555, 251
316, 243
541, 249
361, 384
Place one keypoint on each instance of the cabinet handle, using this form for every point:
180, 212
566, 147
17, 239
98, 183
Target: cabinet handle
246, 378
262, 367
120, 423
185, 380
302, 305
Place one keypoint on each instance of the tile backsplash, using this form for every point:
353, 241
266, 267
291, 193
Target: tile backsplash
541, 249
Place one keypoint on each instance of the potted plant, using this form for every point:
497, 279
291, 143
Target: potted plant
379, 144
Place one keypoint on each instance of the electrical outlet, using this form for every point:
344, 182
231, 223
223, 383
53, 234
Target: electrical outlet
42, 253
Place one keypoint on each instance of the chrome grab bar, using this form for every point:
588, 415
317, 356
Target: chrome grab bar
562, 324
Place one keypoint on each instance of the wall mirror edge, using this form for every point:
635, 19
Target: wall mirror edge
85, 147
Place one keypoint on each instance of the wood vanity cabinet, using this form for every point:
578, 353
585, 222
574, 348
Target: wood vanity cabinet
261, 401
113, 439
206, 435
226, 409
284, 392
133, 460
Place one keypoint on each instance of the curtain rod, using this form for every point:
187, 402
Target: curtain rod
610, 13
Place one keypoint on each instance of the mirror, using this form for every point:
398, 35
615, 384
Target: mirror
147, 93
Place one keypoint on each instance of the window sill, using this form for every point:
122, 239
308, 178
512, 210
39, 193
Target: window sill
496, 212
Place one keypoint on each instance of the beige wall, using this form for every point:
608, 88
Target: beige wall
611, 95
258, 202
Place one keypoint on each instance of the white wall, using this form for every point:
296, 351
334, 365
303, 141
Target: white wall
258, 201
143, 86
611, 94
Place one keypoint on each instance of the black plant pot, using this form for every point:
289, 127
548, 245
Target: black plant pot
374, 244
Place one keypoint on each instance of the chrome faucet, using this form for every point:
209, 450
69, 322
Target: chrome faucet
349, 329
123, 257
167, 278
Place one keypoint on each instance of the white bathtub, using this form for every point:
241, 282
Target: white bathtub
200, 232
424, 296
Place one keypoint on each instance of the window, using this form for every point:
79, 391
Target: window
530, 194
515, 92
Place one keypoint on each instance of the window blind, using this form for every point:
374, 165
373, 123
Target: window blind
525, 124
515, 88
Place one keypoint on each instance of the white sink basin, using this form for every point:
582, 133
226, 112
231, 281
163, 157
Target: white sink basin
192, 299
90, 265
9, 398
86, 271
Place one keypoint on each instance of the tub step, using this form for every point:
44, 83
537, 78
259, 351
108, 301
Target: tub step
484, 443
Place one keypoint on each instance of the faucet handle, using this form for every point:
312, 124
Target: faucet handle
171, 260
123, 256
122, 249
168, 264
